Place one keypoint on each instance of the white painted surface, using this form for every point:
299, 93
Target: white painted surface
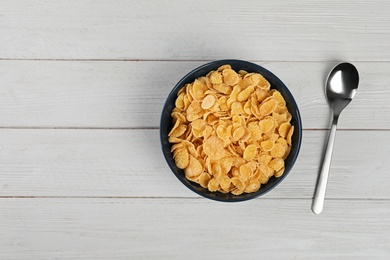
131, 94
82, 85
192, 229
129, 163
192, 30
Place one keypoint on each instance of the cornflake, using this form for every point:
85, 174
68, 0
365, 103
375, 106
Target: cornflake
231, 132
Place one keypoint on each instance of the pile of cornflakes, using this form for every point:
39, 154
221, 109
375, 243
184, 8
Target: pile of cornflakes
231, 132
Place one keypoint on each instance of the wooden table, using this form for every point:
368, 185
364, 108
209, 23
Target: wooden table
82, 86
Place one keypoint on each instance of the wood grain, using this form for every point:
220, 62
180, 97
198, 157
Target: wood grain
192, 229
129, 163
132, 94
82, 86
201, 30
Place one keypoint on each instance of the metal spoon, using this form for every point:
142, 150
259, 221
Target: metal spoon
340, 88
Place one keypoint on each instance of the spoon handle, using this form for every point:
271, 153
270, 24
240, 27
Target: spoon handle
318, 201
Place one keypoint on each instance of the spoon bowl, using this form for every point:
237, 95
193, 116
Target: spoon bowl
340, 88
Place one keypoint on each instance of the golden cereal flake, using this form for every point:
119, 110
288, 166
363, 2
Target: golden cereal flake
250, 152
215, 77
268, 106
276, 164
214, 148
289, 135
182, 159
230, 77
204, 179
208, 102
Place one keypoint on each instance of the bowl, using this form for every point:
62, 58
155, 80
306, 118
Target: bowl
276, 83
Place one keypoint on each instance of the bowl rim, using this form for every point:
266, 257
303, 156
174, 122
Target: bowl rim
298, 118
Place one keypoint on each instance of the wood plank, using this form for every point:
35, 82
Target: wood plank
192, 229
129, 163
132, 94
261, 30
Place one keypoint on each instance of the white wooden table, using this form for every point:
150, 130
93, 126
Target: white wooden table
82, 85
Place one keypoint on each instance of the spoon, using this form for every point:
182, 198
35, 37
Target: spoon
340, 88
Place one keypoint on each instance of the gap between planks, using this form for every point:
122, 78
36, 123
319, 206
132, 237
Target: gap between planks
181, 198
188, 60
157, 128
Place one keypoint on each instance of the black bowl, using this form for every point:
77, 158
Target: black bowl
276, 83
